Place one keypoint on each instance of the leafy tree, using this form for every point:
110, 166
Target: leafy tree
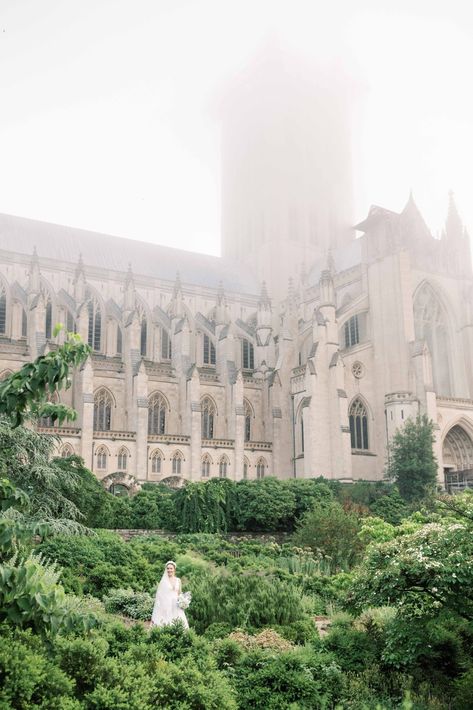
391, 508
425, 569
412, 463
263, 505
25, 393
331, 530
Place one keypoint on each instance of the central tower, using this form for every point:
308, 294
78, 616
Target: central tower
286, 167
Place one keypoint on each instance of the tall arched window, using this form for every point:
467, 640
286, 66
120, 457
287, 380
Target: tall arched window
207, 417
246, 467
352, 332
67, 451
223, 465
247, 355
143, 337
49, 319
248, 416
166, 346
157, 414
102, 458
260, 468
431, 325
3, 309
94, 331
209, 356
122, 459
206, 463
156, 462
358, 417
119, 340
24, 323
176, 463
70, 322
102, 410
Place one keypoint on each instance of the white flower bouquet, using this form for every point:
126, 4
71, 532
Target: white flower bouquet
184, 600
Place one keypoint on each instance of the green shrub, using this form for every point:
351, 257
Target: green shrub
307, 679
463, 691
228, 653
27, 677
217, 630
300, 632
136, 605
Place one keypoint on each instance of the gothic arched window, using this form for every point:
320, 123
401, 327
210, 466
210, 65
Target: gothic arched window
67, 451
176, 463
247, 355
208, 413
122, 459
260, 468
24, 323
431, 325
157, 414
102, 410
102, 458
166, 345
248, 416
206, 463
119, 347
49, 320
352, 332
209, 357
3, 309
70, 322
156, 462
94, 330
358, 417
223, 467
143, 337
246, 466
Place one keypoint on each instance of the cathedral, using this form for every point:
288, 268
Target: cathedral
298, 353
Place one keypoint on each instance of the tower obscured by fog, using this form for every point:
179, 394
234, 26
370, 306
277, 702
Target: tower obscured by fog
286, 166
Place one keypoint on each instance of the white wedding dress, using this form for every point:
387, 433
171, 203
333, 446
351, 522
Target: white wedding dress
165, 609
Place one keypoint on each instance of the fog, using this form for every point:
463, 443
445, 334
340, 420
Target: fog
111, 110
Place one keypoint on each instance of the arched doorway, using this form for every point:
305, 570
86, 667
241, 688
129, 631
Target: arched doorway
457, 455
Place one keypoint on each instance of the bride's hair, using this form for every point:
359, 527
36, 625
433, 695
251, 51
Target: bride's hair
170, 562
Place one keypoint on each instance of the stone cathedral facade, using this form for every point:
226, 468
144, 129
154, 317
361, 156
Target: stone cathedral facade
296, 354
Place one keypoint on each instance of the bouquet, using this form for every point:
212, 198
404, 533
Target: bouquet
184, 600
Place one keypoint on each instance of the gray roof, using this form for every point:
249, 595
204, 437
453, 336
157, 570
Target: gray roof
20, 235
343, 258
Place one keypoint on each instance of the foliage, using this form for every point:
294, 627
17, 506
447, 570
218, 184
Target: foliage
302, 677
420, 573
332, 531
25, 392
412, 463
136, 605
391, 508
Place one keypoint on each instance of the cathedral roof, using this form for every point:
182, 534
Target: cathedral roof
340, 259
104, 251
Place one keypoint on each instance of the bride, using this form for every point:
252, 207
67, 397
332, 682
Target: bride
165, 609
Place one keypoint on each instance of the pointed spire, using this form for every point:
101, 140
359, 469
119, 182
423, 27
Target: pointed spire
220, 293
264, 299
177, 285
129, 280
330, 262
79, 281
453, 225
34, 275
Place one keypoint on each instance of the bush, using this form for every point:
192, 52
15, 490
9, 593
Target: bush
300, 676
136, 605
463, 691
27, 677
332, 531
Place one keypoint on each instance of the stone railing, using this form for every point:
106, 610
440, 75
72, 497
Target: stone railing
218, 443
169, 438
128, 435
159, 368
258, 446
60, 430
298, 371
129, 533
455, 402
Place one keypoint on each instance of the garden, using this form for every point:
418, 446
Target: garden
387, 569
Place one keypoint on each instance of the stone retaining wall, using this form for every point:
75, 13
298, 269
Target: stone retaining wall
279, 537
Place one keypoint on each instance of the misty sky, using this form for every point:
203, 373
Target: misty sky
107, 107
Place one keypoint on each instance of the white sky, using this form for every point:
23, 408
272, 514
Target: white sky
106, 118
